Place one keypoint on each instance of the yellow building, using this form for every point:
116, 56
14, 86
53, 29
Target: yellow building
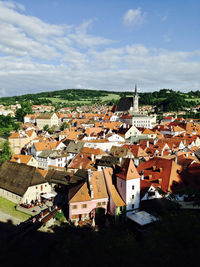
19, 139
49, 119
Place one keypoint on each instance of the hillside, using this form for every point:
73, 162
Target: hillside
164, 100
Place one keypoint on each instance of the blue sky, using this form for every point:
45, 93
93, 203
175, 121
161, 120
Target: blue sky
110, 45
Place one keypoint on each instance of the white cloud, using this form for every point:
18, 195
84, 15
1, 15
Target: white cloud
134, 17
37, 56
13, 5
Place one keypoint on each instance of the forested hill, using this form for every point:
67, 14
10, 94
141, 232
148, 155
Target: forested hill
164, 99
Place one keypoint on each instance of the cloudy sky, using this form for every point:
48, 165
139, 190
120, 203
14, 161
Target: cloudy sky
109, 44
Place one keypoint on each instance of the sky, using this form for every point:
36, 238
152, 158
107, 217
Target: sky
107, 45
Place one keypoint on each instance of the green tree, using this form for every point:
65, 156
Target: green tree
64, 126
6, 153
46, 127
25, 109
50, 131
7, 124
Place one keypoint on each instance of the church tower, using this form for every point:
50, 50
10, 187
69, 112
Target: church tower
135, 101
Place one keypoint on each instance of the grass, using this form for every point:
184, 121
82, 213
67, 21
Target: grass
86, 101
110, 97
193, 99
8, 207
60, 100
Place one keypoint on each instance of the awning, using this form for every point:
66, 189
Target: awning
48, 195
142, 218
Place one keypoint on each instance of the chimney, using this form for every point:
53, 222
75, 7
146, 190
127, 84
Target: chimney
89, 176
147, 144
92, 157
92, 194
186, 154
120, 160
80, 167
142, 177
161, 152
176, 158
18, 160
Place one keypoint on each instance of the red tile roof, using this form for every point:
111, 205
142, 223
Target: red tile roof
128, 170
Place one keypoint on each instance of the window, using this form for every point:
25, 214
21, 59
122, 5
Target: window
150, 194
132, 196
104, 203
133, 206
74, 207
133, 187
84, 206
99, 204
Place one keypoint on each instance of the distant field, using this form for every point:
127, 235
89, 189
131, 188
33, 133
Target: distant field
193, 99
9, 207
110, 97
83, 101
60, 100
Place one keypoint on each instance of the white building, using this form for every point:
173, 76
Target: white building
128, 185
139, 120
21, 183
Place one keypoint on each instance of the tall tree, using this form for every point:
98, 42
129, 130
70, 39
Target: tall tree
6, 153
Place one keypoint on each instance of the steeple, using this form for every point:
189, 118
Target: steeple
135, 108
135, 89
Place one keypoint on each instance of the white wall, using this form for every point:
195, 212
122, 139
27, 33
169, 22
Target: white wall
106, 146
33, 192
126, 191
151, 189
130, 192
10, 196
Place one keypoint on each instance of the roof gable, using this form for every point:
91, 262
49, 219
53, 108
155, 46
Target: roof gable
128, 170
17, 178
81, 195
111, 188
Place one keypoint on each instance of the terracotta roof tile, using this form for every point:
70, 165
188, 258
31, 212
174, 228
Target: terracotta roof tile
128, 170
82, 194
23, 158
111, 188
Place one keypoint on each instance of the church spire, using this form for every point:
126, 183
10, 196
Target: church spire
135, 89
135, 108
